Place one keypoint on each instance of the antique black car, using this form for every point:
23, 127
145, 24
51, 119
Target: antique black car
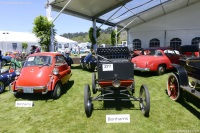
185, 77
114, 79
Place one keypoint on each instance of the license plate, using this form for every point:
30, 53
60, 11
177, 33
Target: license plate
107, 67
28, 90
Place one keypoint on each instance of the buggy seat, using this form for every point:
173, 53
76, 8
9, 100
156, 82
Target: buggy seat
113, 63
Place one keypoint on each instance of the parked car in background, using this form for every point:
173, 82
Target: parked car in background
189, 50
84, 50
88, 62
156, 59
42, 73
7, 75
5, 60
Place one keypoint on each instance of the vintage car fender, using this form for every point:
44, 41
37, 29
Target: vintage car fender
182, 74
53, 81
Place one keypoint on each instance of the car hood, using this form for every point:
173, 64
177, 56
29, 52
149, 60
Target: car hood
34, 76
144, 58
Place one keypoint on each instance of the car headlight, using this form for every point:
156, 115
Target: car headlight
55, 71
116, 83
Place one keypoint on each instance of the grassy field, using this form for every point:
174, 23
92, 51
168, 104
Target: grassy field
67, 114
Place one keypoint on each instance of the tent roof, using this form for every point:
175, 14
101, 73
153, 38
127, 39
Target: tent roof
12, 36
120, 12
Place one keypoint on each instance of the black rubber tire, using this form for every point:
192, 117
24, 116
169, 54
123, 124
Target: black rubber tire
161, 70
17, 94
56, 93
173, 87
87, 101
3, 63
2, 87
144, 100
94, 89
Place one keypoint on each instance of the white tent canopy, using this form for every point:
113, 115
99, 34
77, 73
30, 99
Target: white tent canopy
10, 40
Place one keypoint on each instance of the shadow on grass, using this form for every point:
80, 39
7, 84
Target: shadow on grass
186, 102
116, 102
46, 97
189, 98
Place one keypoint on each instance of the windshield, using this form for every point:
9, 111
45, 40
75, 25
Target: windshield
38, 61
152, 52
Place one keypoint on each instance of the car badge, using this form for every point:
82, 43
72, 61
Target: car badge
31, 70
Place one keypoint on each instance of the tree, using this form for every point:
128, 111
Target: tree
113, 37
42, 30
92, 39
24, 46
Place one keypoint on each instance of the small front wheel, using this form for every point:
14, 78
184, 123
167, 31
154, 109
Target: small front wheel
173, 87
57, 91
87, 101
144, 100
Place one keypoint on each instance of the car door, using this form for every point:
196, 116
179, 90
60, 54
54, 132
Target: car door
63, 68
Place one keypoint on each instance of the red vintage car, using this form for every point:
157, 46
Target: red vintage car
42, 73
156, 59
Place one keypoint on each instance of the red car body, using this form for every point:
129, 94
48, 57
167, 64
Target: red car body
155, 59
41, 73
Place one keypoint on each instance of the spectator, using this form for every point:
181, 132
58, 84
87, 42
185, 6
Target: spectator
0, 60
67, 51
33, 48
37, 50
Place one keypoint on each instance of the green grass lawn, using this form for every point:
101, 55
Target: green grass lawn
67, 114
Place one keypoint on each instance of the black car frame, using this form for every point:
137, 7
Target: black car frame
185, 77
114, 79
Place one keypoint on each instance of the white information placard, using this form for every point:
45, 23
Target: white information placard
24, 104
118, 118
107, 67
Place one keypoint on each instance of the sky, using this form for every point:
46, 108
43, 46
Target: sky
19, 15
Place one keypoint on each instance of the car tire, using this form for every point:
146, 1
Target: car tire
2, 86
144, 100
173, 87
87, 101
161, 70
3, 63
94, 89
56, 93
17, 94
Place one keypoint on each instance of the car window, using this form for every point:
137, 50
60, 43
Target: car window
60, 60
38, 61
158, 53
149, 52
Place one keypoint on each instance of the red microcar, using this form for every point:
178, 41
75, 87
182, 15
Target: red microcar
42, 73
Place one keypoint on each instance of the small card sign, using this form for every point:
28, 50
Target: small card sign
107, 67
118, 118
24, 104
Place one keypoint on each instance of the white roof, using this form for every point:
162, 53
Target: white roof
11, 36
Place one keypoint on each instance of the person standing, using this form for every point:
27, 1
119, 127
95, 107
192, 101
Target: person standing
0, 60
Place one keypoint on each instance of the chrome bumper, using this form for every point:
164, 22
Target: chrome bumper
142, 69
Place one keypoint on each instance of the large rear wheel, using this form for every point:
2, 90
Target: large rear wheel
87, 101
144, 100
173, 87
